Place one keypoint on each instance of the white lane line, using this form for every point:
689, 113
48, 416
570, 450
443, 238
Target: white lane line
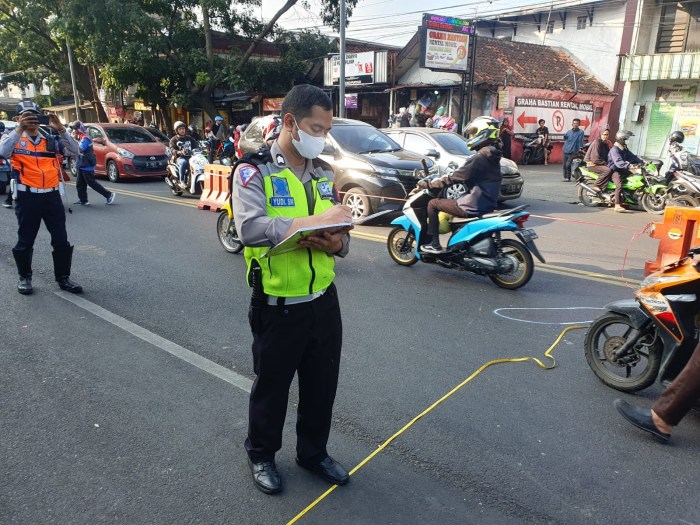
174, 349
498, 312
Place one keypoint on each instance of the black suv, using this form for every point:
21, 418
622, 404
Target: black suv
372, 172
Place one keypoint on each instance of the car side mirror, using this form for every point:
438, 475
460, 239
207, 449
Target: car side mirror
99, 140
431, 152
329, 149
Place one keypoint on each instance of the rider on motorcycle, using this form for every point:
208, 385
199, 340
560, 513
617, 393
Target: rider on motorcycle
621, 160
181, 146
596, 160
480, 174
193, 132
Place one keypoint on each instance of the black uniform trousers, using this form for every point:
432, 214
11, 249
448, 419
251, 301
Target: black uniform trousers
85, 179
305, 339
31, 209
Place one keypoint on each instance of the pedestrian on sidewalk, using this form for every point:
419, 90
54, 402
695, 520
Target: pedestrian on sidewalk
37, 180
543, 132
573, 141
85, 166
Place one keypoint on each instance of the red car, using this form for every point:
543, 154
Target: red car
127, 150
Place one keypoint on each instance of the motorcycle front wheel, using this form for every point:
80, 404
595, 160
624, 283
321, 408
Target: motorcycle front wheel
527, 155
588, 198
525, 267
685, 201
227, 233
402, 246
633, 371
654, 203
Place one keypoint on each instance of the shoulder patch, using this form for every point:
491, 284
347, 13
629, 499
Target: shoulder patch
246, 173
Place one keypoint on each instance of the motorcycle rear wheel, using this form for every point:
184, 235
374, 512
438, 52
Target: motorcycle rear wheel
686, 201
227, 233
402, 246
588, 198
646, 353
655, 203
523, 273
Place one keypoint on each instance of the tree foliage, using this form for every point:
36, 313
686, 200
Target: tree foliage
163, 47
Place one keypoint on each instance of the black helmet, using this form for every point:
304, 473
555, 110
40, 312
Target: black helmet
676, 137
192, 128
76, 125
623, 136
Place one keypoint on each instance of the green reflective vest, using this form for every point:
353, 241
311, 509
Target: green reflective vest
303, 271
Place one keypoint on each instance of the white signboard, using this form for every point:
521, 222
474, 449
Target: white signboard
359, 68
557, 114
446, 51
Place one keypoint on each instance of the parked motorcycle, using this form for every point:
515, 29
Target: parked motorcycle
5, 175
194, 178
636, 343
533, 151
475, 244
226, 152
639, 188
226, 226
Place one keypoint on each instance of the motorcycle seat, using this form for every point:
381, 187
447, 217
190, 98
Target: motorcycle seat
464, 220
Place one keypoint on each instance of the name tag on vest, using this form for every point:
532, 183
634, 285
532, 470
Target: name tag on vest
282, 201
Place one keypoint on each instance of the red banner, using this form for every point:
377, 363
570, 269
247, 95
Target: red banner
272, 104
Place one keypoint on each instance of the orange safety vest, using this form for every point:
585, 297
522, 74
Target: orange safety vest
36, 165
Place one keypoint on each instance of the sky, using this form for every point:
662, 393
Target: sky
391, 21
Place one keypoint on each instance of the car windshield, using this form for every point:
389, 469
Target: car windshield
452, 143
363, 139
129, 135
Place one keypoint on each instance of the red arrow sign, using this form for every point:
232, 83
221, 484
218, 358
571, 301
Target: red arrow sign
585, 123
522, 120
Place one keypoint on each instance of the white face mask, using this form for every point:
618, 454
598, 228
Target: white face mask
308, 146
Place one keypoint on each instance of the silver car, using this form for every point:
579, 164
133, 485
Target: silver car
450, 151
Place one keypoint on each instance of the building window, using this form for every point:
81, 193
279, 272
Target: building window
581, 22
679, 30
550, 27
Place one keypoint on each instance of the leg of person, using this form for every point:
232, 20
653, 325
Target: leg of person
277, 348
54, 217
617, 179
682, 394
435, 206
318, 382
29, 220
81, 186
568, 159
546, 155
89, 177
181, 166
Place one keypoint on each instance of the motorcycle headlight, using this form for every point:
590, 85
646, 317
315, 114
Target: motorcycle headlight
124, 153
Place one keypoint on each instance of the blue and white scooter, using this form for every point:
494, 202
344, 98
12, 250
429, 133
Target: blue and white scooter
475, 244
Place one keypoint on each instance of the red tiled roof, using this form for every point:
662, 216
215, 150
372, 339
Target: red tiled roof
533, 66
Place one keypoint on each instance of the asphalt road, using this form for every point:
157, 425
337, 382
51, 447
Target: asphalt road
129, 404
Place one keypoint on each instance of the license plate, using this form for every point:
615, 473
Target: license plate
511, 188
528, 234
153, 164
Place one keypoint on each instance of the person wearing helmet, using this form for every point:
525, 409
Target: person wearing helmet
621, 160
271, 131
216, 135
675, 141
86, 166
193, 132
37, 182
181, 146
480, 174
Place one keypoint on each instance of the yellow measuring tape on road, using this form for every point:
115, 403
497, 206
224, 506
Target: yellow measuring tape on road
547, 354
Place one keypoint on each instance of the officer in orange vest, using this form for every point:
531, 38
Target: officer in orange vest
37, 186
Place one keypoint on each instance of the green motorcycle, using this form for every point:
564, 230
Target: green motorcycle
645, 187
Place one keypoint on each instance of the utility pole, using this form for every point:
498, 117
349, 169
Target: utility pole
341, 80
76, 96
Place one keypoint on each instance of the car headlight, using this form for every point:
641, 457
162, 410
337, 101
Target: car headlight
124, 153
386, 173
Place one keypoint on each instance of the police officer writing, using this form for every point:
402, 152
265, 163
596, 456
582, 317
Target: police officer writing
294, 315
36, 174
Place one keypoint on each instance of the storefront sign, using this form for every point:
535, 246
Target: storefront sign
503, 99
664, 118
359, 68
139, 105
677, 93
272, 104
115, 112
557, 114
351, 101
445, 51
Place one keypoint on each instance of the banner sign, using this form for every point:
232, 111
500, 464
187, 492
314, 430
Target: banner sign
557, 114
446, 43
272, 104
351, 101
359, 68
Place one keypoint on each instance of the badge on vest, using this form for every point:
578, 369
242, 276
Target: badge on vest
280, 160
280, 193
23, 144
324, 189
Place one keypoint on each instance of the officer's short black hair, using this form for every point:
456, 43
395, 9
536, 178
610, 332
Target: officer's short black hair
302, 98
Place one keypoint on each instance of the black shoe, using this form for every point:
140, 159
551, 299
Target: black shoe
81, 203
640, 418
265, 476
7, 203
328, 469
24, 286
429, 248
69, 286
